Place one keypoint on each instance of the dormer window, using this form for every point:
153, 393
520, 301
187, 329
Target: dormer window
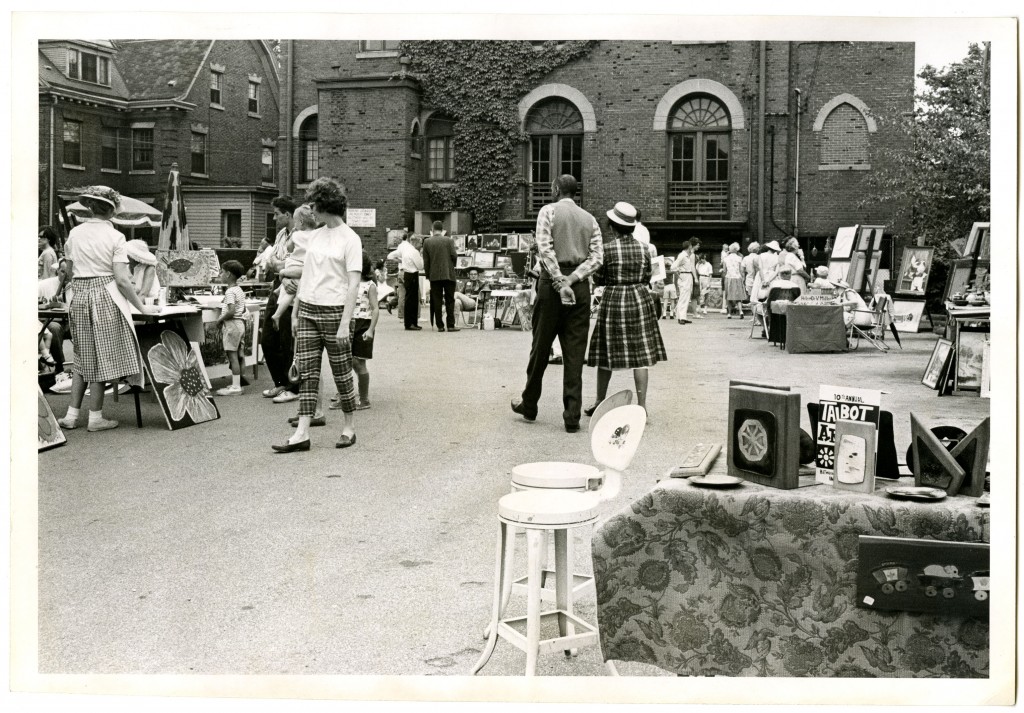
89, 67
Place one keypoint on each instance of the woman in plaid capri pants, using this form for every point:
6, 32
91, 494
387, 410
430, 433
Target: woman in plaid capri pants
322, 315
626, 334
105, 346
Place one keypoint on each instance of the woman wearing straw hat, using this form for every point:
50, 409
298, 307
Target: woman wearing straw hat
105, 345
626, 334
142, 263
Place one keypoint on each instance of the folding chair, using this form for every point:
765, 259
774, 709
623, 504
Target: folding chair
871, 324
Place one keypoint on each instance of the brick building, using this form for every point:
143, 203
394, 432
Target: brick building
727, 141
120, 113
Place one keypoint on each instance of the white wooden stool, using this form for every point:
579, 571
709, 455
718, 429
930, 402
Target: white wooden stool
538, 512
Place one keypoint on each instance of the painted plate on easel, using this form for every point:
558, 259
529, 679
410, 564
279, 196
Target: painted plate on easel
912, 492
716, 481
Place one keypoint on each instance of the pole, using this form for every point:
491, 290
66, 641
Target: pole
762, 89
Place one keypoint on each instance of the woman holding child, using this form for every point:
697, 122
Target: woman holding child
323, 311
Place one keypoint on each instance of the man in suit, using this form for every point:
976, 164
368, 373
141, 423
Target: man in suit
569, 247
439, 266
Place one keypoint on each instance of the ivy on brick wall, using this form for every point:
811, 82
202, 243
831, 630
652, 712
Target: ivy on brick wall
478, 84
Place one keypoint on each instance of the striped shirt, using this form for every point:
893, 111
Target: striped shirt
234, 297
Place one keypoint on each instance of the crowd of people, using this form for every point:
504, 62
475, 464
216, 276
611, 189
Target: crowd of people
326, 294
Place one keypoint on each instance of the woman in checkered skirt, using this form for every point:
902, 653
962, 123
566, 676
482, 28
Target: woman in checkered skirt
105, 346
626, 335
324, 306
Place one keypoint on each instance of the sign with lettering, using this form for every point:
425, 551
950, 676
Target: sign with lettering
837, 403
361, 217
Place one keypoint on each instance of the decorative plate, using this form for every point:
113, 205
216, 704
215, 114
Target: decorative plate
911, 492
716, 481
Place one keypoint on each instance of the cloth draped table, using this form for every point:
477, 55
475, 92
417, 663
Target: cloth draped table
755, 581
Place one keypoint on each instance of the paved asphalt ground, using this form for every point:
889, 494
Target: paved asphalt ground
201, 552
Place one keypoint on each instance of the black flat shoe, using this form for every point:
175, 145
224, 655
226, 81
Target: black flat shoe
440, 329
572, 427
345, 441
521, 410
590, 410
453, 329
290, 447
415, 327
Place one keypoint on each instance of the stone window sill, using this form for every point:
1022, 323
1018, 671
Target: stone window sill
844, 167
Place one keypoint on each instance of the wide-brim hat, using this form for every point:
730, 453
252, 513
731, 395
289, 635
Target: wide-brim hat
139, 252
842, 284
623, 213
102, 193
773, 245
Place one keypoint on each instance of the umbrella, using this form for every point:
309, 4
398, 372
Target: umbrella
132, 213
173, 225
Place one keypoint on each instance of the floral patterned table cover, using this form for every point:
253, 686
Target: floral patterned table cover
754, 581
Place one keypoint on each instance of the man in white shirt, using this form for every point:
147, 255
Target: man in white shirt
411, 265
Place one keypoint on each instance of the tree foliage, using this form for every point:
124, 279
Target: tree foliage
478, 84
939, 179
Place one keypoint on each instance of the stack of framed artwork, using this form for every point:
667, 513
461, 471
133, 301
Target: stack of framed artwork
855, 257
492, 253
911, 286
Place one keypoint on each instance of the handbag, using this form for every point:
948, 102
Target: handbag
293, 371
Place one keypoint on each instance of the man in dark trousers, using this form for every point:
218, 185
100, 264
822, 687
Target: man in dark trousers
569, 246
410, 265
277, 341
439, 266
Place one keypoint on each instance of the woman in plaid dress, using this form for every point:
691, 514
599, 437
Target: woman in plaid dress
626, 335
105, 346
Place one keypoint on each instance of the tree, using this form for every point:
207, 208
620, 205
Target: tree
940, 180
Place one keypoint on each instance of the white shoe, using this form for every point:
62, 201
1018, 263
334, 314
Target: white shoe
102, 425
68, 424
62, 384
285, 397
230, 391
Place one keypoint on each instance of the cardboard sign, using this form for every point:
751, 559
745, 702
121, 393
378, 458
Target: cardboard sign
841, 403
361, 217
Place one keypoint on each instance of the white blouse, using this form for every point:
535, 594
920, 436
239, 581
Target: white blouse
94, 247
331, 253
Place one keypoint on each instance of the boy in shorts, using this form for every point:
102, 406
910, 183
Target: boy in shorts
232, 321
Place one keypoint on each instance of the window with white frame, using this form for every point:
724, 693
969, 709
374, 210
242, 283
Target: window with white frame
309, 150
199, 159
216, 87
72, 143
555, 128
267, 165
440, 135
231, 228
254, 97
378, 45
142, 149
89, 67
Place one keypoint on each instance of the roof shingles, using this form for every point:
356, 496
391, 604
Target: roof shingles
149, 66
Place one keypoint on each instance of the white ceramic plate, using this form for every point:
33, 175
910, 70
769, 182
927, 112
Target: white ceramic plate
911, 492
716, 481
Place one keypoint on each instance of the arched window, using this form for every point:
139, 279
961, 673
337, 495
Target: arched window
555, 128
309, 150
699, 132
440, 135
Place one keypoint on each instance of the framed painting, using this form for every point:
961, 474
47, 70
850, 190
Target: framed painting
492, 242
937, 363
970, 351
978, 241
915, 267
186, 268
862, 276
869, 238
463, 262
512, 241
460, 243
906, 315
658, 269
503, 261
843, 245
958, 281
50, 435
472, 242
525, 242
483, 260
838, 270
177, 375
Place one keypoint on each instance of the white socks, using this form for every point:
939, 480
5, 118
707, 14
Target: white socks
72, 414
236, 380
94, 417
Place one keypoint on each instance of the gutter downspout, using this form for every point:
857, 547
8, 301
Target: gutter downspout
760, 143
51, 192
796, 189
286, 122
